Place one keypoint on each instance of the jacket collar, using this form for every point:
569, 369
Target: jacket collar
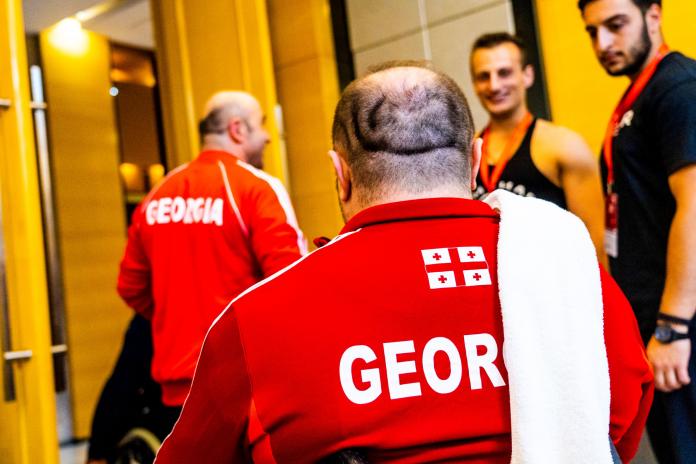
214, 155
428, 208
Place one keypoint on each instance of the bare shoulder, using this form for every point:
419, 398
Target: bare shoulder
559, 136
564, 144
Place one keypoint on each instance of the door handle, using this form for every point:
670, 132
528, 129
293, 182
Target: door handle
59, 349
10, 357
21, 355
5, 103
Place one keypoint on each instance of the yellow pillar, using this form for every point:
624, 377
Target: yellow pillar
204, 47
176, 94
90, 208
28, 430
308, 90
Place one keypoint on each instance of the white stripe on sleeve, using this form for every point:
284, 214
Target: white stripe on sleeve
283, 199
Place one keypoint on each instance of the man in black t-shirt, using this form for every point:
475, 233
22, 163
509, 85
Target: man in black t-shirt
649, 172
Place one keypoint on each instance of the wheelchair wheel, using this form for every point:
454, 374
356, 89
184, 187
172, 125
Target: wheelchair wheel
139, 446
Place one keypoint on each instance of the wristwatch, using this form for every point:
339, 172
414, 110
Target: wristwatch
665, 334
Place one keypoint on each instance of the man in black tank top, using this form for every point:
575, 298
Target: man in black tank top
649, 171
525, 155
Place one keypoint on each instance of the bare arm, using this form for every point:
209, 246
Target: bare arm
679, 296
581, 183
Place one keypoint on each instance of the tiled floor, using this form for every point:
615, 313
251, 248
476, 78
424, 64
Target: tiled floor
645, 454
73, 453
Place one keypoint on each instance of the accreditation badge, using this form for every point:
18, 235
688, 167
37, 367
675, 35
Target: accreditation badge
611, 221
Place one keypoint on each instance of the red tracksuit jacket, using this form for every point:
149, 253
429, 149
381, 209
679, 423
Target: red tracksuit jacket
211, 229
371, 343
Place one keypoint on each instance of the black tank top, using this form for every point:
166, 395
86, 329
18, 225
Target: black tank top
522, 177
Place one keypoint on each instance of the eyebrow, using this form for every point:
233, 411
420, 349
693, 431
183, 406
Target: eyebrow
608, 20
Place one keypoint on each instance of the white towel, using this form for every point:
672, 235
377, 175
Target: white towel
554, 352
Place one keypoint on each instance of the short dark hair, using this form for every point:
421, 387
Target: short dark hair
494, 39
409, 131
642, 4
214, 122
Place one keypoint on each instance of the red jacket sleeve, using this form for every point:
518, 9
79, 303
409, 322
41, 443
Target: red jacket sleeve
274, 235
134, 279
630, 373
215, 416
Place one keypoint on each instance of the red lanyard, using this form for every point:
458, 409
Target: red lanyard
627, 102
512, 143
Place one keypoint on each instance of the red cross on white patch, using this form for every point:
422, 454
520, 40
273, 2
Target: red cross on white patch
456, 267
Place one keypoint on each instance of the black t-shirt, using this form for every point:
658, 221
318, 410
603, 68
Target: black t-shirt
657, 137
521, 176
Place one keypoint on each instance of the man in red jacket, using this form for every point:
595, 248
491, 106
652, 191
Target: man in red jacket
389, 339
212, 228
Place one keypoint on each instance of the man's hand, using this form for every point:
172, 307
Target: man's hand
679, 296
670, 363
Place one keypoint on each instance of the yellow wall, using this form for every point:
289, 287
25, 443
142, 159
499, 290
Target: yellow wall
90, 212
206, 47
226, 44
174, 75
308, 91
582, 95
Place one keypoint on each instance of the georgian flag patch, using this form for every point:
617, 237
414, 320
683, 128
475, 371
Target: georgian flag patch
456, 267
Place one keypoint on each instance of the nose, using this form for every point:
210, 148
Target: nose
604, 39
494, 82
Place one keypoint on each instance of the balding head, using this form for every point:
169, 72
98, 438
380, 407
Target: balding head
219, 128
231, 98
404, 129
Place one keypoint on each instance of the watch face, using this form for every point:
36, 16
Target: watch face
663, 334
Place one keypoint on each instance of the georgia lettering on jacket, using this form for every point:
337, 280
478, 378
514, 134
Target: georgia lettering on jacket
187, 210
395, 368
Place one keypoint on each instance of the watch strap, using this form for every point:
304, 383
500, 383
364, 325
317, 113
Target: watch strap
673, 319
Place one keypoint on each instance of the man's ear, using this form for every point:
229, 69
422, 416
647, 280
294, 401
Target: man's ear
343, 175
653, 19
528, 76
236, 129
476, 148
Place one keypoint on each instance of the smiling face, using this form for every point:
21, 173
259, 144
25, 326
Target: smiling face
500, 80
618, 30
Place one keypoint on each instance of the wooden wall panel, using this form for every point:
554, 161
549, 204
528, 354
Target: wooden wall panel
90, 212
308, 91
206, 47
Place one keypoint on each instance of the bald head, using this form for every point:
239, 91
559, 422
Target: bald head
404, 128
230, 98
233, 122
223, 106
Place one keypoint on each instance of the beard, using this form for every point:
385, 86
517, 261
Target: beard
256, 159
636, 56
254, 153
